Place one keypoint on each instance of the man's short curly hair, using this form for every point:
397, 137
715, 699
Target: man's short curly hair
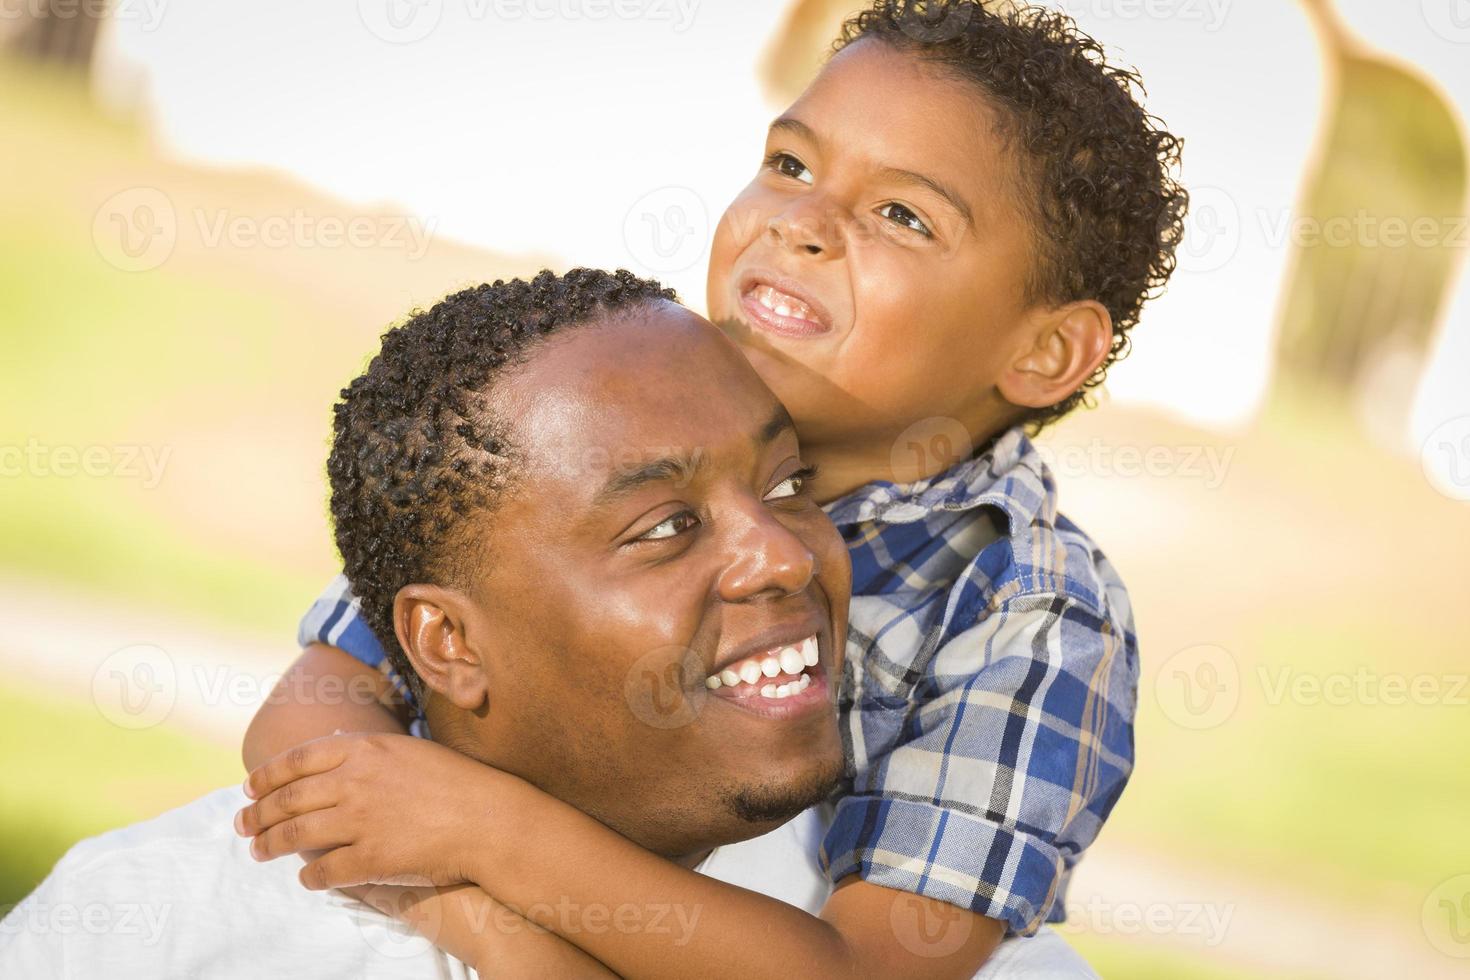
416, 450
1096, 169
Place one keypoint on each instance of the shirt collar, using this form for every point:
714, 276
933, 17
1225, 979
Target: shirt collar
1008, 475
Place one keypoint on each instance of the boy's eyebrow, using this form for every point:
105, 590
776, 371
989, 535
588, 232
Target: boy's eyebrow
923, 180
793, 125
684, 467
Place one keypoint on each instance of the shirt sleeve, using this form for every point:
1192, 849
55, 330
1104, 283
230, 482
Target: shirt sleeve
336, 620
1007, 759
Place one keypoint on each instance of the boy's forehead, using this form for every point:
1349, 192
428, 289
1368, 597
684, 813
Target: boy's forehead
895, 109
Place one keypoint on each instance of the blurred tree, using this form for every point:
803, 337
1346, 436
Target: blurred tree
57, 32
1380, 215
801, 44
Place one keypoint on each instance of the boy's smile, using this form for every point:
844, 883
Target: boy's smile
876, 269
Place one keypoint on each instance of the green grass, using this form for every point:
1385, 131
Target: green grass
69, 774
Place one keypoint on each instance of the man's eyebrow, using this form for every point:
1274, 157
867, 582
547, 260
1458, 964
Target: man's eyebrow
682, 469
662, 470
923, 180
778, 423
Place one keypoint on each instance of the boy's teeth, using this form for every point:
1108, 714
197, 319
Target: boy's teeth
750, 672
782, 304
770, 666
729, 678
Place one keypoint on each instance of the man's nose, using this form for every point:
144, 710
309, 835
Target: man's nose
766, 559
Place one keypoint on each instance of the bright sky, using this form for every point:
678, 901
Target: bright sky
536, 125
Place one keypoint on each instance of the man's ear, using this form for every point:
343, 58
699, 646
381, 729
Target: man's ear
430, 622
1062, 349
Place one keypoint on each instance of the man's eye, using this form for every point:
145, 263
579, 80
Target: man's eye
669, 527
788, 166
792, 486
901, 215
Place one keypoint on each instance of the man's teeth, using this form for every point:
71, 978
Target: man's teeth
790, 660
781, 304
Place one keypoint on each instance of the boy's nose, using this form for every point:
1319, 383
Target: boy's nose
807, 231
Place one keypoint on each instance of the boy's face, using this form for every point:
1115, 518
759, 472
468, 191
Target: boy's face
875, 269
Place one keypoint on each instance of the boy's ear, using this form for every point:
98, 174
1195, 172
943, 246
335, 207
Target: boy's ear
1064, 346
430, 622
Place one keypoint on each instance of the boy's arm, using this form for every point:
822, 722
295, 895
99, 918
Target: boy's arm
326, 690
635, 911
468, 924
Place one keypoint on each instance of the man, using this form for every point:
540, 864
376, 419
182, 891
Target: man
605, 494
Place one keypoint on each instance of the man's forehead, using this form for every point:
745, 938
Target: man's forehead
620, 395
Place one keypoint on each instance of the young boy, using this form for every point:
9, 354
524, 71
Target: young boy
951, 236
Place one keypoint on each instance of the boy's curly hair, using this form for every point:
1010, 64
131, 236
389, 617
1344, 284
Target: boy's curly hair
416, 449
1096, 168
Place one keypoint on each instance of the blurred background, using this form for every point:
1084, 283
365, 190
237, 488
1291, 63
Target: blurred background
209, 211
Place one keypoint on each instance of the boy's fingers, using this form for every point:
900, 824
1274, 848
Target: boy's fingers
291, 800
335, 869
315, 831
306, 759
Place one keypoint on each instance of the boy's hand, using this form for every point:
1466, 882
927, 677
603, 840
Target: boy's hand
388, 809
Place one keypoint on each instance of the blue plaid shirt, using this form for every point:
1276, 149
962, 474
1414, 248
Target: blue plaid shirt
988, 696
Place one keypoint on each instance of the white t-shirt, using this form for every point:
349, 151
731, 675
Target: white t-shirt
180, 896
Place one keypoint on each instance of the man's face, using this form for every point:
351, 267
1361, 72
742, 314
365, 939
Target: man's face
658, 537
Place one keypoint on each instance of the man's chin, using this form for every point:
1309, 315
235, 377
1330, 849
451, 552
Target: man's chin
765, 806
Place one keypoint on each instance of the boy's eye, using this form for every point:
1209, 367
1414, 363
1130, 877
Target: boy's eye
788, 166
901, 215
669, 527
793, 485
